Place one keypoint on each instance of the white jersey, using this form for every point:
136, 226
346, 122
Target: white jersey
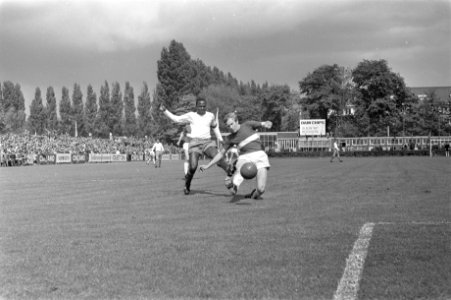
158, 147
200, 125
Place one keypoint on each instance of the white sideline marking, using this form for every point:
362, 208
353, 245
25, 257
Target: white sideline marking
349, 283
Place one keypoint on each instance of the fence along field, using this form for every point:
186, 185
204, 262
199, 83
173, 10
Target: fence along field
127, 231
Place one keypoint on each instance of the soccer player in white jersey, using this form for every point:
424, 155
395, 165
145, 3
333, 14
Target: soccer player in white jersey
249, 145
201, 122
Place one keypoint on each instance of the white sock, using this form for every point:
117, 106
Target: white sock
185, 167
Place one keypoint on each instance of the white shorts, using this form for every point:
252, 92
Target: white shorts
259, 158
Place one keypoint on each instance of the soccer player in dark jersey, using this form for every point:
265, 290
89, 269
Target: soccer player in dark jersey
250, 149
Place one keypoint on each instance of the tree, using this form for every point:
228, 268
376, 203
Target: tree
65, 110
201, 77
426, 116
222, 97
13, 107
103, 122
2, 111
50, 110
380, 95
250, 108
144, 112
274, 101
77, 112
130, 127
290, 119
175, 72
90, 111
116, 110
37, 118
323, 92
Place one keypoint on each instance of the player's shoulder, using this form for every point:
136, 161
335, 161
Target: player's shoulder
210, 114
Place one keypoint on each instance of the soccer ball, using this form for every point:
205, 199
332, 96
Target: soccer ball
248, 170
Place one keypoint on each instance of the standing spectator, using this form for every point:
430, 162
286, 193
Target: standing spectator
336, 151
447, 150
158, 149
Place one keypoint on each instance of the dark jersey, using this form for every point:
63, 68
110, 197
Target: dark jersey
247, 129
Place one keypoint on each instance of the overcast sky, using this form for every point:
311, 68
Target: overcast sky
59, 43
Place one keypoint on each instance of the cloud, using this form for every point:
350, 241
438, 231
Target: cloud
68, 41
117, 25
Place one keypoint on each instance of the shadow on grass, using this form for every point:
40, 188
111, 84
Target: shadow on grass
233, 199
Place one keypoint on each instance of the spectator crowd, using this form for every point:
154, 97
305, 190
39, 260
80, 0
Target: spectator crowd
23, 145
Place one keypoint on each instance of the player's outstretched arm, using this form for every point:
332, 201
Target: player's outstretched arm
177, 119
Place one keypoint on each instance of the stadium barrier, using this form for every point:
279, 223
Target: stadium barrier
46, 159
105, 157
171, 156
63, 158
78, 158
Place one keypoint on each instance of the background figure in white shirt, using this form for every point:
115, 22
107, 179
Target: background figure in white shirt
158, 149
201, 123
336, 151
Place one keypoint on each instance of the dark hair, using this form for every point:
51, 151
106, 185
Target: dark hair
200, 98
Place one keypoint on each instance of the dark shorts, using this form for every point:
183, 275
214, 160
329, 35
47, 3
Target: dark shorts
200, 145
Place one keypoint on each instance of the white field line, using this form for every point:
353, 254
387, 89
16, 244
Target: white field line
349, 283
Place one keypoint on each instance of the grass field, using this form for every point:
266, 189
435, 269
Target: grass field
126, 231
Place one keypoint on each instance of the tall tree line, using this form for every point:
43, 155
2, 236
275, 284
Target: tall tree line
379, 96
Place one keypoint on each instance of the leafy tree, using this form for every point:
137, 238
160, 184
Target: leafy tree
37, 118
50, 110
13, 107
90, 110
116, 110
381, 95
251, 108
201, 77
175, 72
144, 112
130, 127
222, 97
77, 112
160, 126
103, 115
274, 100
65, 110
290, 119
322, 92
426, 116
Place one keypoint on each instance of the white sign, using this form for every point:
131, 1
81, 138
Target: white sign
63, 158
312, 127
